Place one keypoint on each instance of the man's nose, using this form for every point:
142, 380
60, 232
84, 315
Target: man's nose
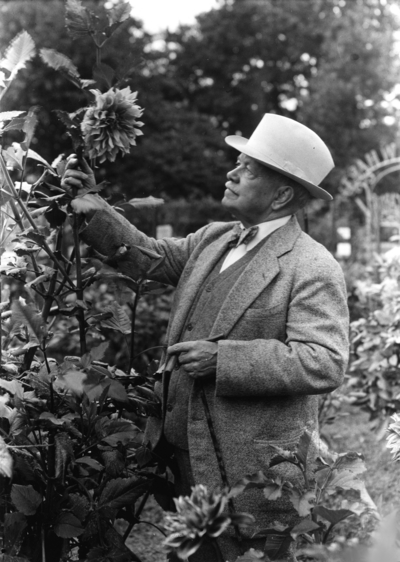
233, 175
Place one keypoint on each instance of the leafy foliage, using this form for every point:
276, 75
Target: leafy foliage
374, 366
71, 453
320, 479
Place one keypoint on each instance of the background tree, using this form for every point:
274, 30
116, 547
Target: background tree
327, 63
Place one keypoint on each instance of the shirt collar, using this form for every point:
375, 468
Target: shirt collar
267, 228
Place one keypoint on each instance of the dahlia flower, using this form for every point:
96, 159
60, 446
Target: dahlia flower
197, 517
393, 439
110, 125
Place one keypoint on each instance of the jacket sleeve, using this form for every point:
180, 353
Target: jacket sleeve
314, 355
107, 231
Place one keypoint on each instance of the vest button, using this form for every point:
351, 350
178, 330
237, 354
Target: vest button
189, 327
209, 289
169, 407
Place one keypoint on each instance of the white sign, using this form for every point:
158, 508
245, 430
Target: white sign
164, 231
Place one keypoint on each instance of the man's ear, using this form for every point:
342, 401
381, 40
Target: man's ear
284, 194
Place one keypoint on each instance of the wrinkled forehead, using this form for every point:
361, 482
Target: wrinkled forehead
255, 165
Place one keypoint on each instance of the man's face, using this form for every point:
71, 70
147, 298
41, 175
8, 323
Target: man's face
249, 194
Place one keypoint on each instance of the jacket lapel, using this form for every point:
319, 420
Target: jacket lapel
192, 283
259, 273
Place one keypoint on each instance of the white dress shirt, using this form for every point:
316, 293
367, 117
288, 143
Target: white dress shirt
264, 230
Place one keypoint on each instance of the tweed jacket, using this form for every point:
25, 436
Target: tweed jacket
285, 323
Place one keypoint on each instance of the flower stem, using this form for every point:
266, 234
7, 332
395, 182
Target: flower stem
79, 294
133, 308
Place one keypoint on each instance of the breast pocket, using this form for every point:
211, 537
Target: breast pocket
256, 312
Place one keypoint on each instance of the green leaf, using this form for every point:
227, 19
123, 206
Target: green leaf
77, 19
273, 491
51, 418
55, 216
10, 115
25, 498
155, 265
277, 545
119, 13
103, 74
58, 61
29, 127
79, 505
4, 197
251, 555
305, 526
92, 463
71, 380
154, 288
282, 455
14, 156
145, 202
345, 472
67, 525
119, 321
114, 462
143, 455
97, 353
14, 529
117, 392
64, 453
105, 427
25, 315
256, 480
46, 276
13, 387
332, 515
6, 460
121, 492
19, 52
72, 123
302, 448
302, 502
35, 156
16, 124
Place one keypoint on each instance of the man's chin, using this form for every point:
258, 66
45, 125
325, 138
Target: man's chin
229, 205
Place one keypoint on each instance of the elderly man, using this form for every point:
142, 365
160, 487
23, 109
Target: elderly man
275, 299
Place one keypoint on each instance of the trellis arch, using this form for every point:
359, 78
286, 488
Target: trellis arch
362, 178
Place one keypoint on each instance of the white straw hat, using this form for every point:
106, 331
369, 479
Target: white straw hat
290, 148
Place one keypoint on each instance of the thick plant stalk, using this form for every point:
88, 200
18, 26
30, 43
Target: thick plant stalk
79, 292
133, 308
50, 293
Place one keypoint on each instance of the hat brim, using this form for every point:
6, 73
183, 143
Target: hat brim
240, 143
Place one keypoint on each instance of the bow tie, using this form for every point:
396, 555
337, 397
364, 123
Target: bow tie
242, 235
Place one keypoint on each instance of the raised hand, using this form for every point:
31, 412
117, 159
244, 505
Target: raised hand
78, 174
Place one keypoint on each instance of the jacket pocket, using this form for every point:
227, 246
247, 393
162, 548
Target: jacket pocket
264, 312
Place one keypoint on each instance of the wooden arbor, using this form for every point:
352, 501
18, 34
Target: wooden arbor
362, 178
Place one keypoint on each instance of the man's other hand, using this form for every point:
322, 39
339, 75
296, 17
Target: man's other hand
198, 358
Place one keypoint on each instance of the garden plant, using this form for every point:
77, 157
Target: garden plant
71, 459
